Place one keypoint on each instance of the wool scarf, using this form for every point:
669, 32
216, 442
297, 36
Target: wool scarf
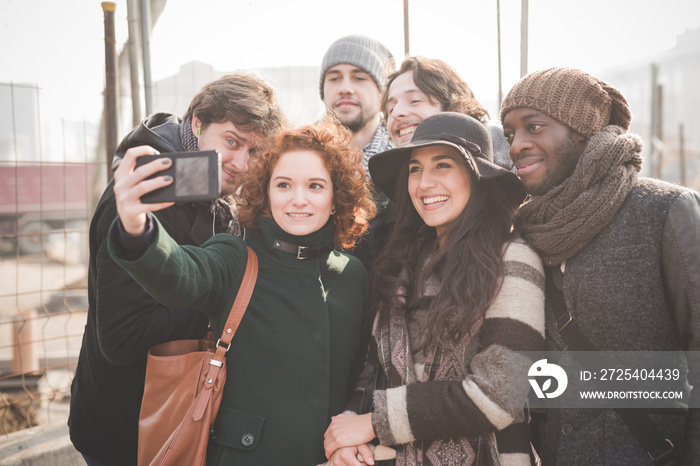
564, 220
443, 361
189, 141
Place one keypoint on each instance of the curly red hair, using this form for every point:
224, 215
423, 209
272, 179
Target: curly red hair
352, 198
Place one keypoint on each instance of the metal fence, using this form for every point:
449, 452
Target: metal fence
49, 181
52, 172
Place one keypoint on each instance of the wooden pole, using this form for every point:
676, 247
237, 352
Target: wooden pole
406, 45
659, 131
498, 32
681, 153
146, 44
654, 115
111, 76
524, 19
133, 47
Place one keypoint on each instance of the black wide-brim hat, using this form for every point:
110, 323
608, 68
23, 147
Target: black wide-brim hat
461, 132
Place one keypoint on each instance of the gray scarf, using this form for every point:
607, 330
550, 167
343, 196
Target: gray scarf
563, 221
189, 141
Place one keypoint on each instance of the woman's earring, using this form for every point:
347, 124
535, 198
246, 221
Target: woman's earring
333, 211
199, 130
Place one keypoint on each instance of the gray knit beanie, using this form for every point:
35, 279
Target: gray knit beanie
575, 98
361, 51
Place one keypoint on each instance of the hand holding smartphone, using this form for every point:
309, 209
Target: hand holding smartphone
196, 177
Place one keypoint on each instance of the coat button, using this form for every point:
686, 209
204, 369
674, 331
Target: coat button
567, 430
212, 433
248, 439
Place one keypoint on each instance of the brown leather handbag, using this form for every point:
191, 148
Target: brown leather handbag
184, 386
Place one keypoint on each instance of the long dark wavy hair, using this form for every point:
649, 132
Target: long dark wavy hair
467, 262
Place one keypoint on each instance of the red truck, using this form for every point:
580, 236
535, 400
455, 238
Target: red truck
37, 198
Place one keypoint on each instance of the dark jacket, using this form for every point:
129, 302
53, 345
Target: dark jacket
382, 224
123, 321
632, 288
289, 363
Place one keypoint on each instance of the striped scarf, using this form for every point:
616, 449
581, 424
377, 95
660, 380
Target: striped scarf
189, 141
379, 143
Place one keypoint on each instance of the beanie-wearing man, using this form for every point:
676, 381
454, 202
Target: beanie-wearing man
353, 76
628, 247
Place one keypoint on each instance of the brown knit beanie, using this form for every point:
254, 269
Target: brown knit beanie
575, 98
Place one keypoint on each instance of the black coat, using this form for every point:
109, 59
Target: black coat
124, 321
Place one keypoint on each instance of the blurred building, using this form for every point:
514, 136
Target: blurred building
296, 86
47, 170
297, 90
19, 122
664, 95
33, 130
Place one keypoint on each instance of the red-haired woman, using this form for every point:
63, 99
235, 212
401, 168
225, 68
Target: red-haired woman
290, 361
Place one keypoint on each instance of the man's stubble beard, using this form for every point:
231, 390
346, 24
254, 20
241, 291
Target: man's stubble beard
568, 161
359, 121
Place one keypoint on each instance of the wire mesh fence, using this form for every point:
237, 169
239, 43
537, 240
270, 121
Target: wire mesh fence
49, 181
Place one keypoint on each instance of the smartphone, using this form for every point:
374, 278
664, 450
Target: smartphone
196, 177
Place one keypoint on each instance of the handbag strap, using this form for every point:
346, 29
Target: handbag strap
216, 363
660, 449
240, 304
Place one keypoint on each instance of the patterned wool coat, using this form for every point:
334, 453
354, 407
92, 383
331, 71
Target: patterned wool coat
451, 404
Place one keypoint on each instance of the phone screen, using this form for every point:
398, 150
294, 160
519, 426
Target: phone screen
191, 174
196, 177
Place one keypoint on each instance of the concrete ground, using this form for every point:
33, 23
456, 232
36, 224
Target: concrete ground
45, 445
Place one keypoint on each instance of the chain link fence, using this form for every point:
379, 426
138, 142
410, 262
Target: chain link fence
49, 182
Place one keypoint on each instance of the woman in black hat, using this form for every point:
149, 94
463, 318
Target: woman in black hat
457, 296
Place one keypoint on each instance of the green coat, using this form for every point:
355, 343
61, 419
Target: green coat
290, 360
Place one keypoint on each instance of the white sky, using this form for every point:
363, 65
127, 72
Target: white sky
59, 44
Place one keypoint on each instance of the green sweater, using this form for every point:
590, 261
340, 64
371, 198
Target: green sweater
290, 360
